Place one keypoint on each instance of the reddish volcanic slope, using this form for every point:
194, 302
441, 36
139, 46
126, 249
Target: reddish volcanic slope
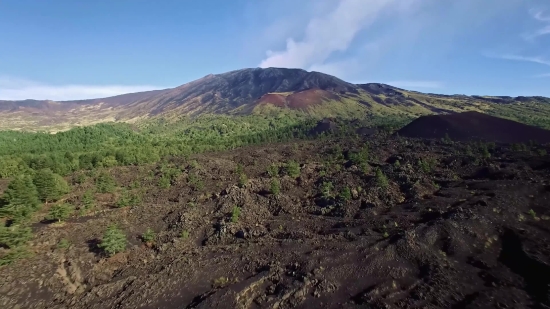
474, 126
298, 100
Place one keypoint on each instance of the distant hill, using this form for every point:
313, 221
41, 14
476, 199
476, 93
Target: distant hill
470, 126
255, 91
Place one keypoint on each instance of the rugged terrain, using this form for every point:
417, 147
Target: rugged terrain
255, 91
368, 222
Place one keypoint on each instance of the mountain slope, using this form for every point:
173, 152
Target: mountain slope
252, 91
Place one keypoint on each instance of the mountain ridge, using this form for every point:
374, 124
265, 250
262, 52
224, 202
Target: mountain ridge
251, 90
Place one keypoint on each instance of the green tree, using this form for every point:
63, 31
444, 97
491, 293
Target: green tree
50, 186
345, 195
113, 240
88, 200
60, 212
243, 180
105, 183
326, 189
275, 186
14, 236
381, 180
273, 170
20, 198
235, 214
293, 169
148, 236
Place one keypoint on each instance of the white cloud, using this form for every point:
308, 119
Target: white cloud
513, 57
327, 34
21, 89
416, 84
541, 17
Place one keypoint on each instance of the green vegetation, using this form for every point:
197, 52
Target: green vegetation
293, 169
60, 212
114, 241
88, 201
128, 198
243, 180
105, 183
235, 214
275, 186
345, 195
326, 189
273, 170
50, 186
63, 244
184, 234
381, 179
20, 199
148, 236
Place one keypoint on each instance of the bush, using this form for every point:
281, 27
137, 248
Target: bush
113, 241
381, 180
50, 186
293, 169
235, 213
60, 212
164, 182
243, 180
361, 157
326, 189
88, 201
184, 234
273, 170
14, 236
275, 186
345, 195
148, 236
105, 183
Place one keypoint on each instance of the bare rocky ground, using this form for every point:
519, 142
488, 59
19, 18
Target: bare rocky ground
454, 232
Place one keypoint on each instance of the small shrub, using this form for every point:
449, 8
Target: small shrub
326, 189
114, 241
88, 201
60, 212
184, 234
164, 182
148, 236
235, 214
542, 152
275, 186
532, 213
14, 236
293, 169
397, 164
194, 164
240, 169
243, 180
13, 255
105, 183
345, 195
273, 170
63, 244
195, 182
381, 179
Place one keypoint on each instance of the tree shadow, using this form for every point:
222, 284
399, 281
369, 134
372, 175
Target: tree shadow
93, 246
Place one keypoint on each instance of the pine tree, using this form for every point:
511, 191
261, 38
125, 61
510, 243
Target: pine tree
51, 187
21, 198
88, 200
60, 212
113, 241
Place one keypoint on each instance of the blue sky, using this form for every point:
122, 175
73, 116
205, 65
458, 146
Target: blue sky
65, 49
